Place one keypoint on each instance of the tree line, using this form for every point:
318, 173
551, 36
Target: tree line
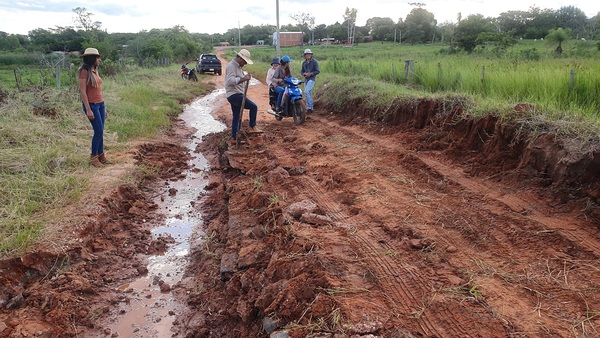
419, 26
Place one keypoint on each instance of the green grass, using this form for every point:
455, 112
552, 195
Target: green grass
44, 158
494, 81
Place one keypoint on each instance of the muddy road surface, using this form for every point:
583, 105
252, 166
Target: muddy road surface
341, 227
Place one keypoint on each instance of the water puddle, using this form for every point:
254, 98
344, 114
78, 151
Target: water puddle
150, 310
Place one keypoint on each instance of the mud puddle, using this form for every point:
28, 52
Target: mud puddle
150, 308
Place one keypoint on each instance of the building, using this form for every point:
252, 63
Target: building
288, 39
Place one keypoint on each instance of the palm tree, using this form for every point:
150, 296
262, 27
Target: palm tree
558, 35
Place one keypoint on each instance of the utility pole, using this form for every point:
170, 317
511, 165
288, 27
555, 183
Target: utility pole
278, 43
239, 35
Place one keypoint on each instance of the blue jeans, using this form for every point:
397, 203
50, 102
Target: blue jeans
308, 87
97, 123
279, 90
235, 101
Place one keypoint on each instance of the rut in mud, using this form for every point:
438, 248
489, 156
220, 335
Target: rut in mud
424, 224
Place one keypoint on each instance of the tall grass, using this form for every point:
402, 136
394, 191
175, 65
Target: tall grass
529, 72
44, 157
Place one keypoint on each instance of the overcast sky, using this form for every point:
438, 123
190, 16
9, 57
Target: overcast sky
217, 16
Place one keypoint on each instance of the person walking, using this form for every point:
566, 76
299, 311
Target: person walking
272, 84
310, 70
235, 80
90, 90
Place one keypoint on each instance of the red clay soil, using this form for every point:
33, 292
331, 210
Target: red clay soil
419, 224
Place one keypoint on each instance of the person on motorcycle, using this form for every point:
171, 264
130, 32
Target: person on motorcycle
272, 84
282, 72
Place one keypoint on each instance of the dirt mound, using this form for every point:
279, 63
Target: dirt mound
62, 293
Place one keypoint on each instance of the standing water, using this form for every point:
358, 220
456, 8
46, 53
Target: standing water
150, 311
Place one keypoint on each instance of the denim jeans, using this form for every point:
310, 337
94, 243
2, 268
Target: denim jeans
97, 123
279, 90
235, 101
308, 87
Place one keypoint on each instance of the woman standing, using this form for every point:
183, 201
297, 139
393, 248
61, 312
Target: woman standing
90, 88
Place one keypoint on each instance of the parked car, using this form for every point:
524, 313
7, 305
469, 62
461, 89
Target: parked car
209, 63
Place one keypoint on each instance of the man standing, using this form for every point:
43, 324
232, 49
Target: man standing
310, 69
235, 80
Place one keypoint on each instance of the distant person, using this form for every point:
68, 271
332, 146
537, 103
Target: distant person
282, 72
235, 80
310, 70
90, 90
271, 84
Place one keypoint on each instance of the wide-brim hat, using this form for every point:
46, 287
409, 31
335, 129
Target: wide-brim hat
275, 61
307, 51
90, 51
245, 54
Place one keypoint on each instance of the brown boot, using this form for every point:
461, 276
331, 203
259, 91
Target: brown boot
103, 159
95, 161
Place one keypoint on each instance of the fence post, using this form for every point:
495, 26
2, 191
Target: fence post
482, 74
58, 77
571, 81
408, 68
18, 78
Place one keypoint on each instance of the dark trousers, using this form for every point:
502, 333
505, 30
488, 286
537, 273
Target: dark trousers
235, 101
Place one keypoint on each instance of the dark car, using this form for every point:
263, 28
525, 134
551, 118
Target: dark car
209, 63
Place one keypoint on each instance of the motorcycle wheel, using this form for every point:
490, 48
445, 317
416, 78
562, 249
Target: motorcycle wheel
183, 76
194, 77
299, 112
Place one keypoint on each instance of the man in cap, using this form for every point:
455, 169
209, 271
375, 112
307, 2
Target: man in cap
310, 69
235, 80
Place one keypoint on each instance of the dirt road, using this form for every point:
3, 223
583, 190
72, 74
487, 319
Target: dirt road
337, 228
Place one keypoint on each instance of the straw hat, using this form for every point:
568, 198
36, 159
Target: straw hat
90, 51
245, 54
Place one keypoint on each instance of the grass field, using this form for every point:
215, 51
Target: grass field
530, 72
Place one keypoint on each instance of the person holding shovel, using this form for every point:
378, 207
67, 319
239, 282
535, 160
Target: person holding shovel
236, 82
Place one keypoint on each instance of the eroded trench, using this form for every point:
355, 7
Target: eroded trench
151, 307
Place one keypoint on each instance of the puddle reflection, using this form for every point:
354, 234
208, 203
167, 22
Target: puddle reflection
150, 311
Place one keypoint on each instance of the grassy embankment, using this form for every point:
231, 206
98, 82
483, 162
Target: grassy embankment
492, 82
44, 157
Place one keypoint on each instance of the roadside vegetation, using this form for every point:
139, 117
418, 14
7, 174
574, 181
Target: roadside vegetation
562, 90
44, 142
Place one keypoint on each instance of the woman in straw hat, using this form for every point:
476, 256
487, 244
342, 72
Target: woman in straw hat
90, 88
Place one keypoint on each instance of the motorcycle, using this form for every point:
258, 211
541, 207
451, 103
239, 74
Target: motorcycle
188, 73
293, 105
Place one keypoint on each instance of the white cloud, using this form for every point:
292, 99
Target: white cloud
219, 16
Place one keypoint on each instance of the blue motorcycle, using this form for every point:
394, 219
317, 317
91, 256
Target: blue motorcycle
293, 106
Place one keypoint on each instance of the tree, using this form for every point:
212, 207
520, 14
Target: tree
572, 18
306, 22
83, 19
469, 29
541, 21
350, 20
380, 27
420, 25
558, 36
513, 22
